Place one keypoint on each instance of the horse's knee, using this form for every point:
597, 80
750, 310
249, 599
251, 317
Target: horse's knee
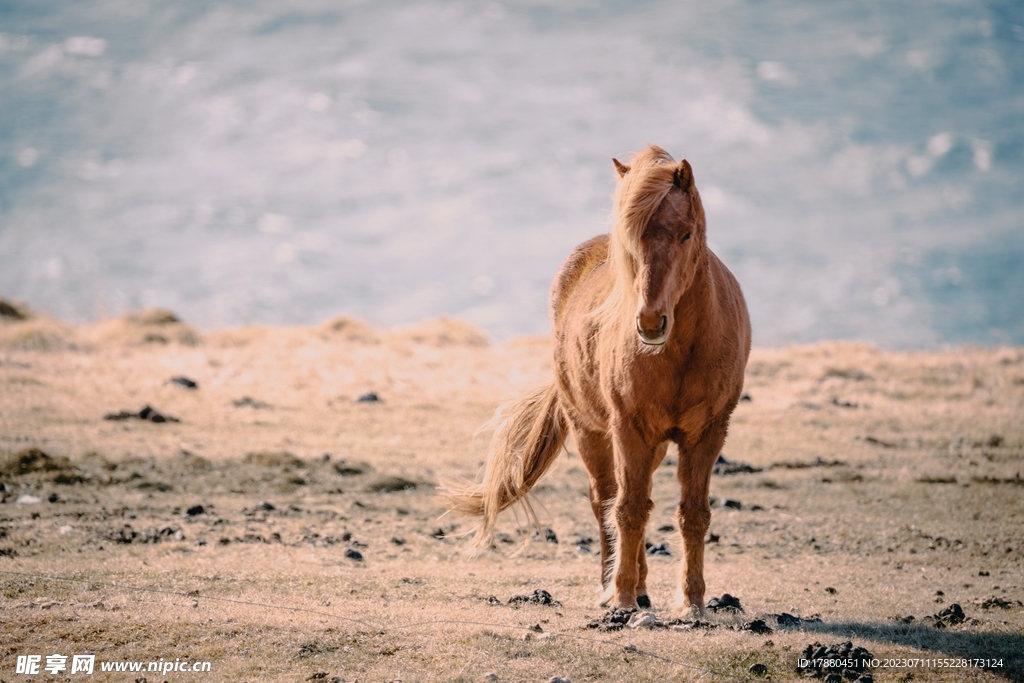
632, 514
694, 516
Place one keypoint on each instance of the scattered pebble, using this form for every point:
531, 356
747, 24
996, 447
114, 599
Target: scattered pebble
148, 413
724, 467
644, 620
951, 616
1004, 603
194, 511
353, 554
490, 677
558, 679
613, 620
734, 504
28, 499
757, 626
184, 382
787, 620
659, 549
264, 505
369, 397
759, 670
249, 402
726, 603
538, 597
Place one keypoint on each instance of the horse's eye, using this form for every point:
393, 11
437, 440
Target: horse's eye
686, 237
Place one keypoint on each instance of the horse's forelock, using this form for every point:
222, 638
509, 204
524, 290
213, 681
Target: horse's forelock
640, 192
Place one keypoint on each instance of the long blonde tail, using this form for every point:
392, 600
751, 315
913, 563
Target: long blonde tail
521, 451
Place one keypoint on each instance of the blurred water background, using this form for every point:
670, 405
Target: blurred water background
285, 162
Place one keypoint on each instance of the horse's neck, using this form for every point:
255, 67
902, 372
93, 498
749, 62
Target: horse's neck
695, 307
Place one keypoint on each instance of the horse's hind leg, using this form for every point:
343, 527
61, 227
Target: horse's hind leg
596, 452
694, 512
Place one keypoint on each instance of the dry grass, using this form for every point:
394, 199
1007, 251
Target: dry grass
883, 479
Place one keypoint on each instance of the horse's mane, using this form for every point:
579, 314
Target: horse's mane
637, 197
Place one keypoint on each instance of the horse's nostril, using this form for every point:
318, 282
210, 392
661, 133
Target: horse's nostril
664, 322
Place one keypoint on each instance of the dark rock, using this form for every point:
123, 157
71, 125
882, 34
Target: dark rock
148, 413
758, 626
713, 538
390, 485
726, 603
759, 670
249, 402
612, 620
184, 382
1003, 603
746, 397
659, 549
734, 504
264, 505
550, 536
493, 600
353, 554
951, 616
195, 510
723, 467
397, 540
538, 597
787, 620
369, 397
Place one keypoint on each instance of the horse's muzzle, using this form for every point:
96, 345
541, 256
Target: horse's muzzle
653, 337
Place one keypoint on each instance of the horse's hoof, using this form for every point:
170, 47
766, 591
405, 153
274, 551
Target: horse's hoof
643, 602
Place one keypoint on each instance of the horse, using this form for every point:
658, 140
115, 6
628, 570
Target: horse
651, 337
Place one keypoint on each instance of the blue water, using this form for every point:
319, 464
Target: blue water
257, 161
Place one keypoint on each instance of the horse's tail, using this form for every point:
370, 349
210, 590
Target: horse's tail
521, 451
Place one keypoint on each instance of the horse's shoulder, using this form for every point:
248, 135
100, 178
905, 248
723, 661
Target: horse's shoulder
582, 259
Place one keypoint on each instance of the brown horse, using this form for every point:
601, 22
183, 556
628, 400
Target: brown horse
651, 337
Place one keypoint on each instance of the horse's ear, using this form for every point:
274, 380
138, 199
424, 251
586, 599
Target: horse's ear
620, 168
683, 176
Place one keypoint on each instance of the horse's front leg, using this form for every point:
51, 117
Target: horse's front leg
694, 513
634, 459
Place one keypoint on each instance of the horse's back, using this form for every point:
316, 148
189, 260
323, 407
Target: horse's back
574, 270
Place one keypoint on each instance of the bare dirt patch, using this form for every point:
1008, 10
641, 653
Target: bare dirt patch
284, 529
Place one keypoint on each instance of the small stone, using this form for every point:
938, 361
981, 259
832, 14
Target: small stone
758, 669
369, 397
195, 510
644, 620
490, 677
184, 382
195, 603
629, 647
353, 555
28, 499
264, 505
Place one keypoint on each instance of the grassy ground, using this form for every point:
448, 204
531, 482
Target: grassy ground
883, 486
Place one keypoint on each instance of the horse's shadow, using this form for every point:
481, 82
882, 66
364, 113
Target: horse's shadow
949, 644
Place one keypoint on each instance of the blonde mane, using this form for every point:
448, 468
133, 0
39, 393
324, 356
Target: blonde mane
637, 197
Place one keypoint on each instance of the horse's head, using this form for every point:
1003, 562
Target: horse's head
660, 235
